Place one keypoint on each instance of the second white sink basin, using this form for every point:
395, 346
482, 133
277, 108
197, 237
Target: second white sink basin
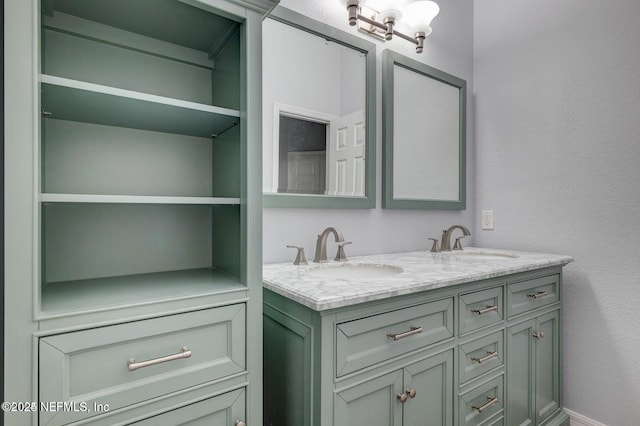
486, 255
360, 271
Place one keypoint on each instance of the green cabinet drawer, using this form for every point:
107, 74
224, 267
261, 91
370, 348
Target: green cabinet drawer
531, 294
366, 341
482, 405
480, 308
228, 409
480, 356
129, 363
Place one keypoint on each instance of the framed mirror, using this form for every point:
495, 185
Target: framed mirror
318, 115
424, 136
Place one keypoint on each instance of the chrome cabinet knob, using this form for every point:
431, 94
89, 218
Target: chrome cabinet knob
240, 423
411, 392
402, 397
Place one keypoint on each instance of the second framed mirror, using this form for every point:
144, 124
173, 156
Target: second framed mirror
424, 136
318, 115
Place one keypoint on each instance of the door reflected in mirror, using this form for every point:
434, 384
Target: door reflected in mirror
319, 156
315, 114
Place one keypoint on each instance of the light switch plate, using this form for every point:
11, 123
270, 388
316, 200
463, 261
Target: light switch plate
487, 220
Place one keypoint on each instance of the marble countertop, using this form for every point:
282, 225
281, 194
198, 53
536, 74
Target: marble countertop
325, 286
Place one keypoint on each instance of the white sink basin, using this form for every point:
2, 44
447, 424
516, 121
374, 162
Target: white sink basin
483, 255
360, 271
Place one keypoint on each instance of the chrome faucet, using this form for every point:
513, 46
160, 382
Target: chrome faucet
321, 245
445, 244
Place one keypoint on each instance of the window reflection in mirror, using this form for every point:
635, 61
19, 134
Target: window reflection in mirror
314, 109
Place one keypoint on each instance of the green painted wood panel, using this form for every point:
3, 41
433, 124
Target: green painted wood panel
481, 355
476, 309
533, 367
547, 368
531, 294
432, 379
74, 56
287, 394
364, 342
85, 158
223, 410
74, 100
85, 241
520, 379
474, 408
91, 365
373, 403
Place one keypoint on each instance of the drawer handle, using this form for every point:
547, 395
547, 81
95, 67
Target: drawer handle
485, 358
538, 335
397, 336
133, 365
489, 308
492, 400
536, 295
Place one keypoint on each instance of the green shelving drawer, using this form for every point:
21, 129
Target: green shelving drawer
130, 363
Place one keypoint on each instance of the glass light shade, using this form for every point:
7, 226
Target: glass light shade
419, 15
388, 8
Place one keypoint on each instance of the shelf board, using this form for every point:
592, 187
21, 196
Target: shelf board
75, 100
133, 199
103, 293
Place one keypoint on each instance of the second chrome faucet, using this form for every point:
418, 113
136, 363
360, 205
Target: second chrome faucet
445, 244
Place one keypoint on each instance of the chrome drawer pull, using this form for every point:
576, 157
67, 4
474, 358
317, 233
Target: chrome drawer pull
489, 308
402, 397
536, 295
240, 423
133, 365
538, 335
487, 357
413, 330
492, 400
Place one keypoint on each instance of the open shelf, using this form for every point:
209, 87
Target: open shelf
101, 293
134, 199
74, 100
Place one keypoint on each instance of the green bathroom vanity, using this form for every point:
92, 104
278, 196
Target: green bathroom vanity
452, 338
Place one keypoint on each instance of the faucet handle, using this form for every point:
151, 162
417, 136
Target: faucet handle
340, 256
300, 257
435, 248
457, 245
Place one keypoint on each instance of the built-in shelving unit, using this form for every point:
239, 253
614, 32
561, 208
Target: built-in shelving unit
140, 168
133, 210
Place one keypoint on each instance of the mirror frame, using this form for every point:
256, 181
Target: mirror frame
390, 60
368, 201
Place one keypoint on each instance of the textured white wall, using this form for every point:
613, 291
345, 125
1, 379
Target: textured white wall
450, 49
557, 112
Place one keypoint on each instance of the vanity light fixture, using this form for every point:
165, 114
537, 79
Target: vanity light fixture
385, 18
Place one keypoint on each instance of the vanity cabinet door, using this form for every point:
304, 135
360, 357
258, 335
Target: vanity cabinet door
372, 403
226, 409
533, 366
547, 373
430, 381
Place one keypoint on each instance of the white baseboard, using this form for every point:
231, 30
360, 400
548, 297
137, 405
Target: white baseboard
580, 420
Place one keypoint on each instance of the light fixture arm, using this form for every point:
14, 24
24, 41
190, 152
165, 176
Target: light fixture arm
383, 30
